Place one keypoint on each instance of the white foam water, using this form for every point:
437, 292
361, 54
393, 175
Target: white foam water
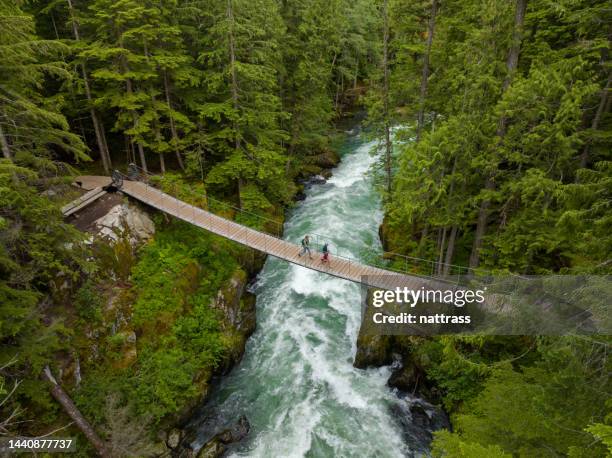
296, 383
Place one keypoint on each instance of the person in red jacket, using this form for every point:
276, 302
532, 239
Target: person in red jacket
325, 252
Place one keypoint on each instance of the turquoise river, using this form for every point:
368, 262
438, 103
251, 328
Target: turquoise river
296, 383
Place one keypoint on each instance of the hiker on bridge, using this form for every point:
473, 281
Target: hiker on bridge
325, 251
306, 247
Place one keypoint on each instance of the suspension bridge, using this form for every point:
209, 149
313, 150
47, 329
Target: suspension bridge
273, 245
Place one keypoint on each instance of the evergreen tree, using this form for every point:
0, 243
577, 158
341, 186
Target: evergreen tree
310, 52
243, 109
28, 121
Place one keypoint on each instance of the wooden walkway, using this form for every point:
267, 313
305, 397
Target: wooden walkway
83, 201
345, 268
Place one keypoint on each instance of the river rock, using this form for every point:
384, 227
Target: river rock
173, 438
228, 298
212, 449
215, 447
419, 419
236, 305
327, 160
237, 432
373, 351
316, 179
128, 218
405, 378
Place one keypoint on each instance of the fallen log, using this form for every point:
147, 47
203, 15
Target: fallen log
73, 412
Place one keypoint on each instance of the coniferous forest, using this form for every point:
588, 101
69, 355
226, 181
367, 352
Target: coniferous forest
491, 130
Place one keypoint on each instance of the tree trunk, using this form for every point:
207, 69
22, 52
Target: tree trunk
141, 154
6, 149
105, 143
513, 55
388, 146
172, 125
584, 157
234, 88
451, 209
240, 184
481, 225
162, 163
98, 126
129, 90
73, 412
425, 76
450, 251
423, 239
201, 152
511, 65
296, 119
442, 247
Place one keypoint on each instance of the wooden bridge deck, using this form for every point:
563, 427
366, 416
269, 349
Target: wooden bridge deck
348, 269
83, 201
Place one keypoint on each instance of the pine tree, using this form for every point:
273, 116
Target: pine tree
310, 53
243, 109
28, 121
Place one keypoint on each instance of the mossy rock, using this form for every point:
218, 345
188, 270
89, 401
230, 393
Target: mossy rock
309, 170
248, 321
327, 159
212, 449
373, 350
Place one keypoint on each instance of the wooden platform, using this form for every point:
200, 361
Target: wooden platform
348, 269
83, 201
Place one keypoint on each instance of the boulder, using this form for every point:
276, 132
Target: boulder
418, 420
317, 179
216, 446
236, 304
327, 160
237, 432
228, 298
373, 350
407, 377
173, 438
212, 449
125, 218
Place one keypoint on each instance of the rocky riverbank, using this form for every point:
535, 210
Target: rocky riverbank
114, 335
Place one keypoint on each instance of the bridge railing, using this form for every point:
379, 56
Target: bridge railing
372, 256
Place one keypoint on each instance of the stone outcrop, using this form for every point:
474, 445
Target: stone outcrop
125, 217
373, 351
416, 410
215, 447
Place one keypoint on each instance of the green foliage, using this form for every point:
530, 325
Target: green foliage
88, 303
548, 162
450, 445
180, 336
523, 406
29, 122
600, 432
40, 257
